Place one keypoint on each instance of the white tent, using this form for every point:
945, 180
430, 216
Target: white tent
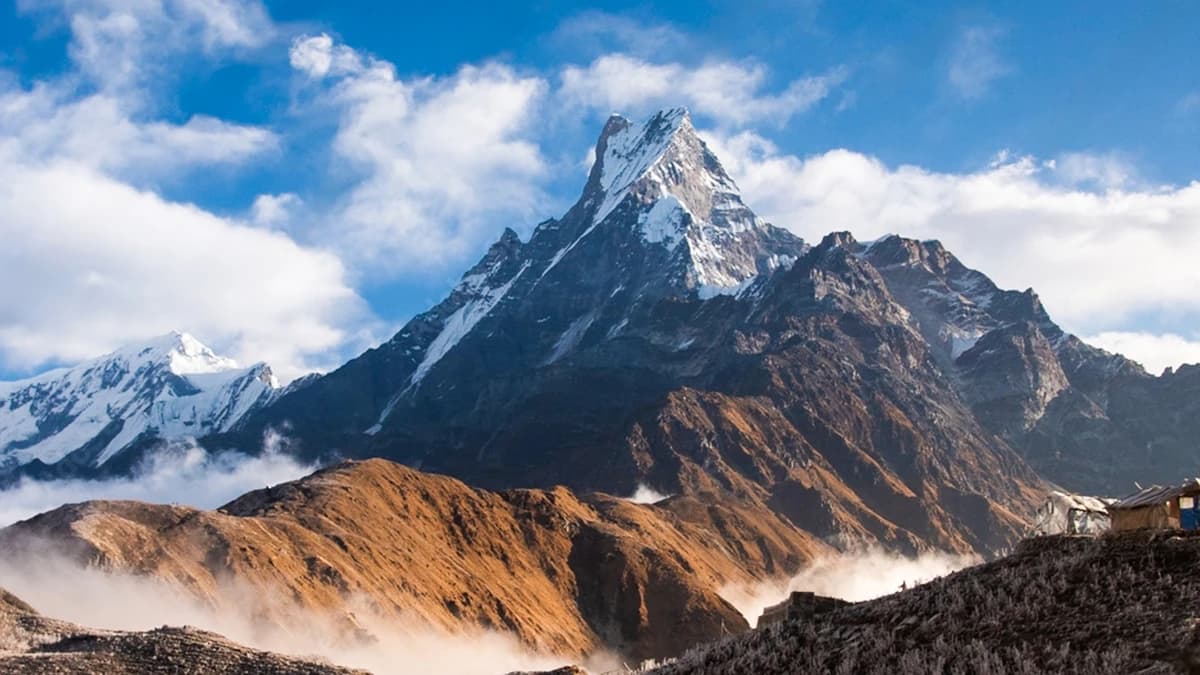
1064, 513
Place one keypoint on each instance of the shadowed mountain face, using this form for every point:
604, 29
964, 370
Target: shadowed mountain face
372, 543
1082, 417
661, 334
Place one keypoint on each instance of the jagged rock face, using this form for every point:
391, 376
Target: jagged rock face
661, 333
1012, 375
1084, 418
564, 574
169, 388
659, 218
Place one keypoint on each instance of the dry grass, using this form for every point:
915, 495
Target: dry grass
1117, 604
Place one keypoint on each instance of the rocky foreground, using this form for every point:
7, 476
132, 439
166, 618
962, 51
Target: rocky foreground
1116, 604
31, 643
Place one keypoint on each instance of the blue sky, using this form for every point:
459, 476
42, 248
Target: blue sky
291, 180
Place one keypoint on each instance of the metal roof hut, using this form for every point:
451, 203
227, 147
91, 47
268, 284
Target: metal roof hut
1169, 507
1064, 513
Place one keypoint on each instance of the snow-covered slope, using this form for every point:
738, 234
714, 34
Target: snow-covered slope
170, 387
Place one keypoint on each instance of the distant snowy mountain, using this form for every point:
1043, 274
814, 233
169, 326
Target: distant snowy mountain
171, 387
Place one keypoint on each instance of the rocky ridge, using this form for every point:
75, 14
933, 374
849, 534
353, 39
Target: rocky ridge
35, 645
1114, 604
564, 574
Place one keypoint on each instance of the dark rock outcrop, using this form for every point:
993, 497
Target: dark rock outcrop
1114, 604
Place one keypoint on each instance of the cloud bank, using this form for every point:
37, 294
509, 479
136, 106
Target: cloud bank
94, 598
96, 258
180, 473
854, 576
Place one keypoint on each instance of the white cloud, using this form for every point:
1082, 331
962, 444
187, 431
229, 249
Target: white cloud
729, 93
644, 494
975, 61
1104, 171
595, 32
274, 210
1188, 105
60, 587
180, 473
854, 576
93, 259
228, 23
111, 264
1154, 352
1098, 259
317, 56
120, 45
444, 162
46, 123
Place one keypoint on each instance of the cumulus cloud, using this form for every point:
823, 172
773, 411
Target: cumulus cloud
95, 259
975, 61
443, 162
855, 576
727, 92
48, 123
317, 56
1098, 258
121, 46
1154, 352
180, 473
113, 264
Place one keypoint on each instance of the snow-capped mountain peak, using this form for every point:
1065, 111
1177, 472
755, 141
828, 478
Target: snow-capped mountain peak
662, 180
182, 353
663, 156
169, 387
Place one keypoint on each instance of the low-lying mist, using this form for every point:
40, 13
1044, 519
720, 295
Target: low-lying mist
644, 494
854, 576
180, 472
62, 589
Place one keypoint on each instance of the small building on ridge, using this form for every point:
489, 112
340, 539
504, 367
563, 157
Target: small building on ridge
1065, 513
1159, 507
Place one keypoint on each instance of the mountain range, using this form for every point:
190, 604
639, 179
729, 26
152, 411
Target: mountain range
785, 399
661, 334
564, 574
93, 414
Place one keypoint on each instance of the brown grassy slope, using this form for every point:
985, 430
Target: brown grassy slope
700, 441
563, 574
1117, 604
35, 645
